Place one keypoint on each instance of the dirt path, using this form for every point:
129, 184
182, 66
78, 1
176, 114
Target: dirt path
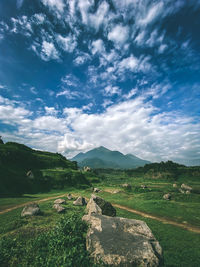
143, 214
26, 203
160, 219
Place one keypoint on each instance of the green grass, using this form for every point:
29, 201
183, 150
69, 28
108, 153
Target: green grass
181, 248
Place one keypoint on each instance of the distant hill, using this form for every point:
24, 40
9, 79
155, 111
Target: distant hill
25, 170
102, 157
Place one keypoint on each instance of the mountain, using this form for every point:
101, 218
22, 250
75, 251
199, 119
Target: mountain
102, 157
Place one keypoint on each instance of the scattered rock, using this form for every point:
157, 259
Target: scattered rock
86, 169
122, 242
174, 185
60, 201
181, 191
59, 208
30, 175
80, 201
167, 196
116, 191
69, 196
32, 209
127, 186
93, 208
96, 190
105, 206
186, 187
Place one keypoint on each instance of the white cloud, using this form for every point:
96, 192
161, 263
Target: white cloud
133, 126
119, 34
55, 5
131, 93
81, 59
51, 111
48, 51
67, 43
131, 63
38, 18
151, 14
112, 90
69, 94
70, 80
97, 47
97, 19
33, 90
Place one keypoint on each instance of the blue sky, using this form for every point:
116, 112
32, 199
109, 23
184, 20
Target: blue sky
77, 74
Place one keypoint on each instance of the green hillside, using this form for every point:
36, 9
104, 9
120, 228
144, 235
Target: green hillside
24, 170
102, 157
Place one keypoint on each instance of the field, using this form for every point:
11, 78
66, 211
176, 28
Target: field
20, 236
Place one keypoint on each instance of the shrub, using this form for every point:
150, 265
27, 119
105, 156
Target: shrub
62, 246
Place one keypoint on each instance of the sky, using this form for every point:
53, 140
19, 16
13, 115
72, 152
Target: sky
78, 74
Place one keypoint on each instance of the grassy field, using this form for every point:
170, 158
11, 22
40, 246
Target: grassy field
181, 247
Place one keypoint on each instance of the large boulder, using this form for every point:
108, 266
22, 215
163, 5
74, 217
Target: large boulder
174, 185
93, 208
121, 242
60, 201
105, 206
80, 201
59, 208
31, 209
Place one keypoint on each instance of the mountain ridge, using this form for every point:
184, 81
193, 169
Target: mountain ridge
102, 157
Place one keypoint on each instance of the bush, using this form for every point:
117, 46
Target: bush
62, 246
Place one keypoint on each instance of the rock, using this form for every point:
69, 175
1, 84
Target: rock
143, 186
80, 201
86, 169
69, 196
96, 190
121, 242
32, 209
167, 196
174, 185
30, 175
59, 208
116, 191
188, 192
181, 191
60, 201
105, 206
186, 187
127, 186
93, 208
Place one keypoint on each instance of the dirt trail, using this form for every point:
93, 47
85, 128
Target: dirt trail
143, 214
160, 219
26, 203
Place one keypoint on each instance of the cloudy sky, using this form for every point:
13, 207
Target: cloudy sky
77, 74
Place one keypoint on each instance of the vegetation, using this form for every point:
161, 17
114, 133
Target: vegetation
52, 239
23, 170
46, 240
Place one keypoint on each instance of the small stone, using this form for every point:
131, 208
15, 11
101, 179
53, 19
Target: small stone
60, 201
59, 208
167, 196
80, 201
32, 209
69, 196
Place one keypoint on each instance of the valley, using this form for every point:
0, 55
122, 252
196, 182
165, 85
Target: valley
135, 193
